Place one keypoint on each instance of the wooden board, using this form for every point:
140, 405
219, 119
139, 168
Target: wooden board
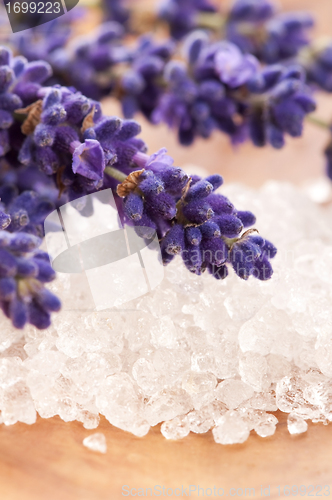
47, 461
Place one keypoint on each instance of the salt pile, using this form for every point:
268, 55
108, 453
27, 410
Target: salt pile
196, 353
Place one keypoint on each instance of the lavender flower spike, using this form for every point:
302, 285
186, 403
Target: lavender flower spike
88, 159
232, 67
192, 220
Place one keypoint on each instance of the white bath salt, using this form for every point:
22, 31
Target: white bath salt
233, 392
296, 424
266, 426
96, 442
200, 421
195, 354
177, 428
231, 429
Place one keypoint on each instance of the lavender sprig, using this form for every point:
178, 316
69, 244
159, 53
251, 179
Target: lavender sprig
58, 146
216, 87
257, 28
220, 88
192, 220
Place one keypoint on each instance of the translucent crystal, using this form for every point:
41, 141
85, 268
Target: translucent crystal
164, 333
266, 425
263, 401
90, 420
147, 377
296, 424
253, 369
17, 405
231, 429
120, 400
195, 383
96, 442
291, 397
167, 404
177, 428
200, 421
255, 336
233, 393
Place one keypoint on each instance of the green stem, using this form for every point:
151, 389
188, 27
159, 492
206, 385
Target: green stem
319, 122
115, 173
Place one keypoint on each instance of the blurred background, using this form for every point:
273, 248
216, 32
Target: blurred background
300, 162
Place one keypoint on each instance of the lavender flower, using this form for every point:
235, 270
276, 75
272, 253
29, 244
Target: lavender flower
28, 211
41, 42
139, 86
117, 10
233, 68
58, 146
317, 61
192, 220
23, 271
195, 106
252, 10
95, 58
181, 15
282, 102
255, 27
220, 88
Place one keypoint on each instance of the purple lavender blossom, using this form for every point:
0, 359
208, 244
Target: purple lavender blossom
140, 85
200, 225
252, 10
256, 28
23, 271
195, 106
94, 57
282, 102
41, 42
58, 146
232, 67
220, 88
317, 62
181, 15
88, 159
117, 11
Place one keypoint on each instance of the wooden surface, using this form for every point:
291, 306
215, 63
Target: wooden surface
47, 461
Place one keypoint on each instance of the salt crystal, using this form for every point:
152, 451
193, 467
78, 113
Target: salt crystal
319, 190
266, 425
17, 405
90, 420
296, 424
195, 383
200, 421
203, 359
96, 442
147, 377
164, 333
253, 369
177, 428
231, 429
167, 404
233, 393
255, 336
291, 397
263, 401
